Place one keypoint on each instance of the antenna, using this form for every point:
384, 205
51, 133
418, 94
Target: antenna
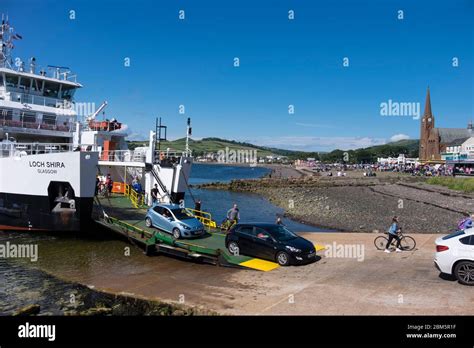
7, 35
188, 134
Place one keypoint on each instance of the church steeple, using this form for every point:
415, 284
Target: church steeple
427, 126
427, 113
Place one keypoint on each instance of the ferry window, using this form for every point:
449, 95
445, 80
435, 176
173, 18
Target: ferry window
1, 80
49, 119
25, 83
11, 81
51, 90
68, 92
28, 117
6, 115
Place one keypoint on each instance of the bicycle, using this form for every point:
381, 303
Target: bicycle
407, 243
227, 224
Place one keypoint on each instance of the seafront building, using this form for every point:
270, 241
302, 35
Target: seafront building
434, 141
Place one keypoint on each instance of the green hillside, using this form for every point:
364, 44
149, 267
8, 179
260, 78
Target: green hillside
370, 154
364, 155
209, 145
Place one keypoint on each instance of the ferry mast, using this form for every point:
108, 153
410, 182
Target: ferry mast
7, 37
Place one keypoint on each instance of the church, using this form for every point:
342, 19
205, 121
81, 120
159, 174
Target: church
433, 141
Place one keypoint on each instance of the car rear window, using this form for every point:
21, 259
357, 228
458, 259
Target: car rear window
469, 240
454, 234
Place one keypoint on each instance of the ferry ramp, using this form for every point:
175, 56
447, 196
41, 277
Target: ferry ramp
117, 213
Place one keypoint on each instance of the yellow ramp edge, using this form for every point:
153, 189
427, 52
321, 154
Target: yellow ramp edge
260, 265
319, 247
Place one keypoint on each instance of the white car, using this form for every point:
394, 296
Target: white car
455, 255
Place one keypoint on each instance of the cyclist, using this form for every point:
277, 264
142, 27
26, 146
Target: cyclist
393, 234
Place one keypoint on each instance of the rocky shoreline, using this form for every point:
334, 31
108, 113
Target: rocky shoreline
49, 295
361, 204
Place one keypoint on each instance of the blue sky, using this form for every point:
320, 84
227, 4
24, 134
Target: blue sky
282, 62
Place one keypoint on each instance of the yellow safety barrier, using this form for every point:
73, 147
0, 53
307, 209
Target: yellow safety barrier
138, 200
202, 216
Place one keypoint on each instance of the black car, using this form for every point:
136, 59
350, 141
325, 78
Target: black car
271, 242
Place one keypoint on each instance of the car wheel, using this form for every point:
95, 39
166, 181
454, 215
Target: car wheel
176, 233
148, 222
464, 272
234, 248
283, 258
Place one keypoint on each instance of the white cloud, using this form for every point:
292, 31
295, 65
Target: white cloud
317, 143
398, 137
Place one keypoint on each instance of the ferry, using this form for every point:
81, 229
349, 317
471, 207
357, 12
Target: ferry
52, 158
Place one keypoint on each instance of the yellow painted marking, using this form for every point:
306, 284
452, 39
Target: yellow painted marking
319, 247
260, 265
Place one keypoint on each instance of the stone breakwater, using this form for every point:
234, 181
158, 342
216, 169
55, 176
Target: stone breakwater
361, 204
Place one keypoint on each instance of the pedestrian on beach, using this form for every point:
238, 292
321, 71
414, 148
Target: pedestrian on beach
393, 234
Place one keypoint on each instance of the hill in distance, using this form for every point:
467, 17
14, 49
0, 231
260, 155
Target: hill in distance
363, 155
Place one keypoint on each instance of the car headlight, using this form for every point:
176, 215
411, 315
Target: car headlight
293, 249
185, 227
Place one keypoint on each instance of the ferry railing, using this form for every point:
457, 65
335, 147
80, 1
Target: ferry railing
122, 156
12, 149
34, 125
38, 100
203, 216
137, 199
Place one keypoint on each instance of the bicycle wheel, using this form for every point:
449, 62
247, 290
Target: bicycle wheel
380, 242
407, 243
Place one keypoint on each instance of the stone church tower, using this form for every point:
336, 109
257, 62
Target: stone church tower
429, 139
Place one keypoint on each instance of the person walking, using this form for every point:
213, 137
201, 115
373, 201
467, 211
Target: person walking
393, 234
154, 194
233, 216
197, 207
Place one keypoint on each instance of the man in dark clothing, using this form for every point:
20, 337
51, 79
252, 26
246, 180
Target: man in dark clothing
197, 207
154, 194
97, 185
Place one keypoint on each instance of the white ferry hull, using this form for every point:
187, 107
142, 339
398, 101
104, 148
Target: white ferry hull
51, 192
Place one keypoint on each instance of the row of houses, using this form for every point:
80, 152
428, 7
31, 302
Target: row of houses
459, 150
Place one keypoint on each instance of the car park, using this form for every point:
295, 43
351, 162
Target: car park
271, 242
172, 218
